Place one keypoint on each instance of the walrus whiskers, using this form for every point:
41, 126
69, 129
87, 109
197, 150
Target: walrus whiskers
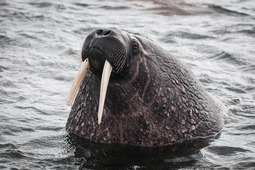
121, 64
77, 81
118, 62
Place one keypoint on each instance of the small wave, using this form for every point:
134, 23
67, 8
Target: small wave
226, 11
49, 128
247, 127
236, 90
40, 4
225, 56
37, 110
114, 7
3, 4
5, 41
2, 68
249, 67
249, 32
8, 84
81, 4
252, 144
246, 164
13, 154
183, 8
193, 36
8, 146
226, 150
104, 7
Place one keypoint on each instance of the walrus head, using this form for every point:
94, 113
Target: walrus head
106, 53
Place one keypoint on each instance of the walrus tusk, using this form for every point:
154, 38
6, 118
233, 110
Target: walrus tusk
77, 81
103, 88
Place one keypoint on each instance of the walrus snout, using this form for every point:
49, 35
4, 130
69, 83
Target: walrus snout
110, 45
97, 60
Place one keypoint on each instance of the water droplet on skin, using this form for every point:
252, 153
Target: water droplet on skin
193, 127
183, 122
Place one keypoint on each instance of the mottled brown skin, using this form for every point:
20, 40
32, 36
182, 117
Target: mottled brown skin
153, 101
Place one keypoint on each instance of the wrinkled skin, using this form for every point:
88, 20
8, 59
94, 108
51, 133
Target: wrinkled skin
152, 99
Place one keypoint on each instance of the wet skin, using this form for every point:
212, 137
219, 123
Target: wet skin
152, 99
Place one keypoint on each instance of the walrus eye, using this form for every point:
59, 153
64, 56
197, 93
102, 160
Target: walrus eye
135, 47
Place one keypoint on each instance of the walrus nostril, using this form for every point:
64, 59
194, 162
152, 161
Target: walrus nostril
99, 32
103, 32
107, 32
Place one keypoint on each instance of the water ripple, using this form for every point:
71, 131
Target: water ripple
82, 4
40, 4
40, 44
221, 9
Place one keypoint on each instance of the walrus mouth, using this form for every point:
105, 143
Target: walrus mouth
103, 88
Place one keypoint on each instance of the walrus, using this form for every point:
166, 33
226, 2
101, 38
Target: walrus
133, 92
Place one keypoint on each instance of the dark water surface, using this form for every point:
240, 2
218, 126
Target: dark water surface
39, 47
